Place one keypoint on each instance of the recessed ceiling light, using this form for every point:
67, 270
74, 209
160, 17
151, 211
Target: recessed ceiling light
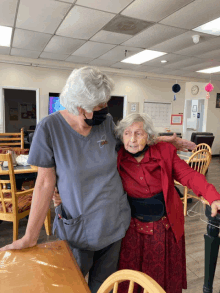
143, 56
210, 70
5, 36
211, 27
163, 61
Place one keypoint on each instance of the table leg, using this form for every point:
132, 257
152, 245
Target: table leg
47, 223
212, 242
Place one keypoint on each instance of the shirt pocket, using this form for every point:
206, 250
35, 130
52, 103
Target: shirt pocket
71, 230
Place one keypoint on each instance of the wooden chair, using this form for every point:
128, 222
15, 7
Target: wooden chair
199, 161
202, 146
146, 282
12, 139
15, 205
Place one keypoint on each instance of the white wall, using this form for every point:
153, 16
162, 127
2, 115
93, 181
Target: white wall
136, 89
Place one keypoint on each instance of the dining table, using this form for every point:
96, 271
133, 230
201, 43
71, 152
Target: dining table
22, 173
46, 268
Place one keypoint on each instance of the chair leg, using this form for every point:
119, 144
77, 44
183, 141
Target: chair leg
185, 201
15, 229
47, 223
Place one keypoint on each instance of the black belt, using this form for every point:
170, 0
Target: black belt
148, 209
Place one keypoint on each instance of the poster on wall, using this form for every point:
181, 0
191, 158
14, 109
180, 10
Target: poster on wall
13, 114
24, 111
176, 119
28, 111
218, 100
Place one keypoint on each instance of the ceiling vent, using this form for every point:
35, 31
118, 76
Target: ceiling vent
126, 25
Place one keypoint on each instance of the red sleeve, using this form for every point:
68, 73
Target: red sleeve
184, 174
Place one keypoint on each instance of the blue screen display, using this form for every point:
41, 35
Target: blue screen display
54, 105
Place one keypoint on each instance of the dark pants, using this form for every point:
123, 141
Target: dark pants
99, 264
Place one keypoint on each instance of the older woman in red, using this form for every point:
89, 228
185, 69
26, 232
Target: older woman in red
154, 242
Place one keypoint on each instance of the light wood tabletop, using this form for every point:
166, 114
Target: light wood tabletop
48, 267
20, 170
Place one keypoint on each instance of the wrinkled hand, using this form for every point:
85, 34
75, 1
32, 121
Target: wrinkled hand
19, 244
56, 198
181, 144
215, 207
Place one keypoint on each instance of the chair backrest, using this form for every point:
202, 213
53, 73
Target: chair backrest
4, 199
146, 282
208, 139
202, 146
193, 135
12, 139
169, 134
200, 161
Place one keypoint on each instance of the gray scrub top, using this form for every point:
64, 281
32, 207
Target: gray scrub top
94, 211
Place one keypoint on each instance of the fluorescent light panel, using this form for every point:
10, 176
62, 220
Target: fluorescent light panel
5, 36
211, 27
143, 56
210, 70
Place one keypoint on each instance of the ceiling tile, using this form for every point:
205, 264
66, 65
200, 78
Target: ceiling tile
118, 53
63, 45
153, 10
93, 50
153, 35
25, 53
170, 58
145, 68
200, 48
30, 40
110, 37
4, 50
202, 65
197, 75
69, 1
161, 70
215, 54
47, 55
113, 6
194, 14
100, 62
7, 12
83, 23
183, 63
178, 72
179, 42
121, 65
41, 15
79, 59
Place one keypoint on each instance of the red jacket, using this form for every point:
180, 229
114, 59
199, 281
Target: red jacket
172, 167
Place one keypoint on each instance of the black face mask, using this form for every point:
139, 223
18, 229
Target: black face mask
141, 152
98, 117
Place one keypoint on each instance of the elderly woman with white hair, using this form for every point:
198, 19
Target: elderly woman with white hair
154, 242
75, 151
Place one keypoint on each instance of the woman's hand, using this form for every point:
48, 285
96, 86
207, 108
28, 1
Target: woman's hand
181, 144
215, 207
19, 244
56, 198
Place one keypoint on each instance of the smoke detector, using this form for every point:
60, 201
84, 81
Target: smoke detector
196, 39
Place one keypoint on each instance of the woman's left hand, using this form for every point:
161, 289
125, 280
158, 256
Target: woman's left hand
215, 207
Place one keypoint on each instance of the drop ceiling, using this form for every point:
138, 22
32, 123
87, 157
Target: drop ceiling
98, 32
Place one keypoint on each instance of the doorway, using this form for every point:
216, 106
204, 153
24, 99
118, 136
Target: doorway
117, 106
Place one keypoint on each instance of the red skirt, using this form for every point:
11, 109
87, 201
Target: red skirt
157, 255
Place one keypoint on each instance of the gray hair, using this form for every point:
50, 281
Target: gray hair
86, 87
130, 119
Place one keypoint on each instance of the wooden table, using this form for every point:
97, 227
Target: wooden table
48, 267
24, 170
27, 170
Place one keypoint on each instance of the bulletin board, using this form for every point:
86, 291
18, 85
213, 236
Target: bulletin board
159, 112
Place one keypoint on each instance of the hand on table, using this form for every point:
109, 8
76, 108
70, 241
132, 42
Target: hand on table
215, 207
181, 144
19, 244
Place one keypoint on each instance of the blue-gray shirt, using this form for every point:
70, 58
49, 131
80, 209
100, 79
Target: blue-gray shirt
94, 211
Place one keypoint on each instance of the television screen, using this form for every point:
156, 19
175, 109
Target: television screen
54, 103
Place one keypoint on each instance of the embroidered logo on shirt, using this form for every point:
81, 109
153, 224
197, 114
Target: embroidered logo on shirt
103, 141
